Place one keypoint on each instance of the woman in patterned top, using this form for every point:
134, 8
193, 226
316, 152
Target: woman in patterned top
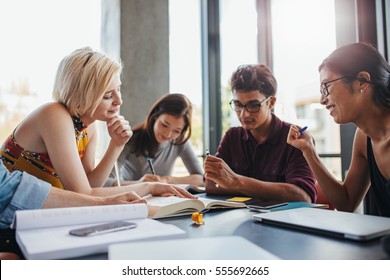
57, 141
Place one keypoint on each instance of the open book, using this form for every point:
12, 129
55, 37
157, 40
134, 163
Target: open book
44, 233
162, 207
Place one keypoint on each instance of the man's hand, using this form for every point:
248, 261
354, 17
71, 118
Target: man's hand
217, 170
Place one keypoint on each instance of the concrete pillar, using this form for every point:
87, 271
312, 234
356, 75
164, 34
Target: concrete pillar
137, 32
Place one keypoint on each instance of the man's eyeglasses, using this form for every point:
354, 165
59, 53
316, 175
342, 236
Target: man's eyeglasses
324, 86
252, 107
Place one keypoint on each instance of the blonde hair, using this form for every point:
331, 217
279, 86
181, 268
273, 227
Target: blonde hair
82, 79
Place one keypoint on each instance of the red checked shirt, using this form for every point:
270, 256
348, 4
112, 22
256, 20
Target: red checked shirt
273, 160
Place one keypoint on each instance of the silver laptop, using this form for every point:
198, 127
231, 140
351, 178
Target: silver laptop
334, 223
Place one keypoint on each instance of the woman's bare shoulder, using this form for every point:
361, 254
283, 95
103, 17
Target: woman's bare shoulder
53, 108
360, 142
52, 112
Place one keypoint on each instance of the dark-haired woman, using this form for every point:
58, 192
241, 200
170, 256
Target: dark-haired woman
161, 139
355, 88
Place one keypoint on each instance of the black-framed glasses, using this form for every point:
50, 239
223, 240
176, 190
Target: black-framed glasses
324, 86
252, 107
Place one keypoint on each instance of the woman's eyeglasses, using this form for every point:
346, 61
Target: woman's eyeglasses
324, 86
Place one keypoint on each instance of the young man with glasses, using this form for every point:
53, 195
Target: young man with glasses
254, 160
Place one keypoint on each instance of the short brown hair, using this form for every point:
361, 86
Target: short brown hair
253, 77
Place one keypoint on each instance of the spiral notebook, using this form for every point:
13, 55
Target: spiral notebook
335, 223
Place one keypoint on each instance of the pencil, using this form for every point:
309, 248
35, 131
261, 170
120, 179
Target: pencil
118, 180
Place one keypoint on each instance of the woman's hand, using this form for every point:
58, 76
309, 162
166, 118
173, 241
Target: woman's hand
302, 141
154, 178
161, 189
124, 198
119, 130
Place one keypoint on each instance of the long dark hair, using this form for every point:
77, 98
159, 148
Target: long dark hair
351, 59
143, 142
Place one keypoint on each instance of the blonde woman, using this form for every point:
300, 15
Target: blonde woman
57, 141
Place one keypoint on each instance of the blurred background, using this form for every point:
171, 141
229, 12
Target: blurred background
191, 47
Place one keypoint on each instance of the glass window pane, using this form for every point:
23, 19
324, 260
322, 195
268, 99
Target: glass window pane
238, 39
333, 165
35, 36
185, 68
300, 43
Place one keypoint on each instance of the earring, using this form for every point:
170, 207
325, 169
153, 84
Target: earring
361, 90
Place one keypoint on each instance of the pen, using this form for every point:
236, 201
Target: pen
151, 165
302, 129
207, 154
118, 180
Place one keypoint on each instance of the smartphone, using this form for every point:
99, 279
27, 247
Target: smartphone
102, 228
264, 204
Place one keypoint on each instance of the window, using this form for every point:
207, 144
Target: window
185, 70
36, 35
300, 43
238, 35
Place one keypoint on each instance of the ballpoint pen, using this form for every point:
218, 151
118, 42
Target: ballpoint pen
207, 154
151, 165
302, 129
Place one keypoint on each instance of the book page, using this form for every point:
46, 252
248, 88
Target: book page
160, 207
212, 204
42, 218
168, 200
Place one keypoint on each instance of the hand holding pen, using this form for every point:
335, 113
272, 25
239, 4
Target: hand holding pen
207, 154
153, 177
298, 138
302, 129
